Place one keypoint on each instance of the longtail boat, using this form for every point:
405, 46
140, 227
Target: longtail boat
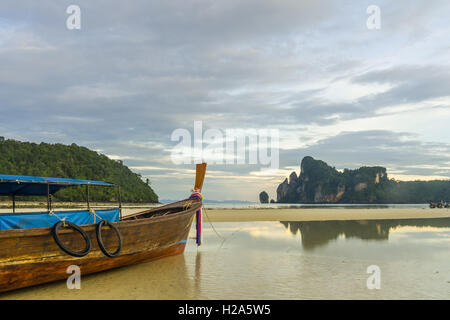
39, 247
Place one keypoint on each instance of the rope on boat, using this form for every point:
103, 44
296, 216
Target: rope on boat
95, 215
98, 231
198, 214
220, 236
187, 205
197, 194
212, 226
63, 220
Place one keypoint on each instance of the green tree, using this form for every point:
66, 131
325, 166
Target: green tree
58, 160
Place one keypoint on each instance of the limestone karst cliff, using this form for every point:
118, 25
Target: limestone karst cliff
320, 183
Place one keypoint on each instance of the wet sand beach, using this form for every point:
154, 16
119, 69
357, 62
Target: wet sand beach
322, 214
320, 253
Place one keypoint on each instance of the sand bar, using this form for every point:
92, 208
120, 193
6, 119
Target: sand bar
322, 214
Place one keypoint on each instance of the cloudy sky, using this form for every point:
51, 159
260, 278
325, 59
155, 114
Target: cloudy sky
136, 71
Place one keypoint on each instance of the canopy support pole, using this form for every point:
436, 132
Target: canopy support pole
120, 203
14, 203
87, 198
49, 198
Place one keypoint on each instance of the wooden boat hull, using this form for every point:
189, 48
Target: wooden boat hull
31, 256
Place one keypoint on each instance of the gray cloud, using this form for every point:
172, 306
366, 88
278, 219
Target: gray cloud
398, 151
135, 72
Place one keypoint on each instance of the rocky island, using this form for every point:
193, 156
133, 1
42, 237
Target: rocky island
320, 183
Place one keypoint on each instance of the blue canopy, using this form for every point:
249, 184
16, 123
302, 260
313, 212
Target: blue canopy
37, 186
44, 219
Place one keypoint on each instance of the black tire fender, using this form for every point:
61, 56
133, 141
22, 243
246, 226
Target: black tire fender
100, 240
74, 227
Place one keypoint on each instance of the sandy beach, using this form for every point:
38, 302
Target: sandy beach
232, 215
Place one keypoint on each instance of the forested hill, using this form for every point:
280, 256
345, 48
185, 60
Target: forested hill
63, 161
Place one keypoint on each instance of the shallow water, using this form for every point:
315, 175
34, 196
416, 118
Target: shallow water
284, 260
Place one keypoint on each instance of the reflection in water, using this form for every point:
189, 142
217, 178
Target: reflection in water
318, 233
198, 272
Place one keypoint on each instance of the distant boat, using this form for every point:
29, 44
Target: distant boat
440, 204
38, 247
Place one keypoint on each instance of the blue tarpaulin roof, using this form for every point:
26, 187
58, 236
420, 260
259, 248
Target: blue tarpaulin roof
44, 219
36, 186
